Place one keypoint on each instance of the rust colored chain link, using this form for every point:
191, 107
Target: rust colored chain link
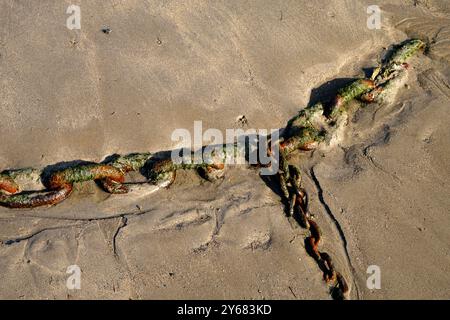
290, 180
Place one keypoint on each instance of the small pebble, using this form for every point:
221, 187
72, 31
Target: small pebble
106, 30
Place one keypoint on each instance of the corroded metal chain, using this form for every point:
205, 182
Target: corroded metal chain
314, 125
290, 182
109, 175
305, 132
59, 184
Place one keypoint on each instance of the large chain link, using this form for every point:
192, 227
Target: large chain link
310, 127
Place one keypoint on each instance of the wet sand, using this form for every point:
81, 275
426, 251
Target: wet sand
82, 94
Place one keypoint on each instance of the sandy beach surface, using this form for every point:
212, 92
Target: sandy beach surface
381, 195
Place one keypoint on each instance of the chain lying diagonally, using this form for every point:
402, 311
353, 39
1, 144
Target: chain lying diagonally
314, 125
311, 127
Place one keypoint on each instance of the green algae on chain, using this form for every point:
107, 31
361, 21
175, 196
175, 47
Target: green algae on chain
398, 57
33, 200
60, 185
111, 177
304, 118
84, 173
28, 174
27, 200
350, 92
126, 163
296, 178
130, 162
407, 50
301, 126
308, 128
303, 133
387, 74
381, 91
306, 139
211, 165
163, 172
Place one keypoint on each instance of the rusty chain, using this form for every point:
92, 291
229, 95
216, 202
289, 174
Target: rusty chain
314, 125
305, 132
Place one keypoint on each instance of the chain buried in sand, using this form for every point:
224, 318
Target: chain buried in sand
305, 132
